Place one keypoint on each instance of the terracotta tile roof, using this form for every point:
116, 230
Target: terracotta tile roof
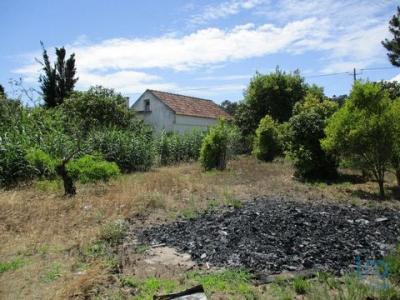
191, 106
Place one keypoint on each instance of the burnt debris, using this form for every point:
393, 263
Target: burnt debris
272, 236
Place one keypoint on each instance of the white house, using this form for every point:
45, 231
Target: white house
178, 113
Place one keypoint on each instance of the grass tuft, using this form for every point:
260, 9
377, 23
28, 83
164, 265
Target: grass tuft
11, 265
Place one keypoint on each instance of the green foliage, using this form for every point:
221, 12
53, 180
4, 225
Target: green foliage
174, 147
11, 265
301, 285
42, 164
58, 81
217, 146
231, 281
266, 142
14, 166
90, 168
274, 94
392, 88
305, 129
393, 263
395, 112
362, 131
393, 45
131, 151
99, 107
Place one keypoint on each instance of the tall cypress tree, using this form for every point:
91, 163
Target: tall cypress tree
2, 92
58, 81
393, 45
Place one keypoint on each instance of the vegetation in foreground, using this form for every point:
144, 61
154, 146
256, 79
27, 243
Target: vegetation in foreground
53, 248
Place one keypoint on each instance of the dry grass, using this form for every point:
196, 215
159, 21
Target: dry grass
45, 229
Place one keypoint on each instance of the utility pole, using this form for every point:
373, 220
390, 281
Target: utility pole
354, 75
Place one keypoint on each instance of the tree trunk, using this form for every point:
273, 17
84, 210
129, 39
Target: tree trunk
381, 189
69, 186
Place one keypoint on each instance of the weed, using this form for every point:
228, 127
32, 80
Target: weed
141, 249
11, 265
190, 213
52, 273
393, 264
113, 232
230, 200
301, 285
233, 282
48, 185
149, 287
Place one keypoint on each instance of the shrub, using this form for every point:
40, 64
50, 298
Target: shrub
90, 168
129, 150
14, 166
174, 147
266, 142
113, 232
42, 164
363, 131
99, 107
216, 146
306, 129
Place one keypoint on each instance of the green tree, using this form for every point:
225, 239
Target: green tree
392, 88
393, 45
2, 92
305, 129
100, 107
396, 146
217, 146
274, 94
58, 81
229, 107
362, 131
266, 142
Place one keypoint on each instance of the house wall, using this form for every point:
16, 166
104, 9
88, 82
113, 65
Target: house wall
160, 116
188, 123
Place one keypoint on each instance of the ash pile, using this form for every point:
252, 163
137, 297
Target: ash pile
271, 236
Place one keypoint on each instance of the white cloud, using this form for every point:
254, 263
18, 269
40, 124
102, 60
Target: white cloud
223, 10
117, 62
356, 29
340, 34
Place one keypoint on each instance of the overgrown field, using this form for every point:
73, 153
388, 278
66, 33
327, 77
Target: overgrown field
55, 247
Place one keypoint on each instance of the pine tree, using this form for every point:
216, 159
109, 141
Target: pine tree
2, 92
57, 82
393, 45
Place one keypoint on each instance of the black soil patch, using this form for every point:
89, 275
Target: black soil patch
273, 236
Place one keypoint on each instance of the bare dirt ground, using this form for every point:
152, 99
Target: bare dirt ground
50, 245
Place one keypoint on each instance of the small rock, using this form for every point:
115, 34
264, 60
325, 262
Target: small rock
383, 219
203, 256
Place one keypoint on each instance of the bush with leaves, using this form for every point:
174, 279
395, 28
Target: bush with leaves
266, 143
305, 130
129, 150
14, 166
395, 114
43, 165
362, 131
174, 147
92, 168
218, 146
99, 107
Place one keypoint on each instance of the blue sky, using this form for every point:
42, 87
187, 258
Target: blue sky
208, 49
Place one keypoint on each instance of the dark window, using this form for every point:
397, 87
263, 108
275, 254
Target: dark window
146, 105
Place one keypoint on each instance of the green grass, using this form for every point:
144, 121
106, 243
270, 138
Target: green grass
52, 273
149, 287
301, 286
48, 185
11, 265
231, 282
